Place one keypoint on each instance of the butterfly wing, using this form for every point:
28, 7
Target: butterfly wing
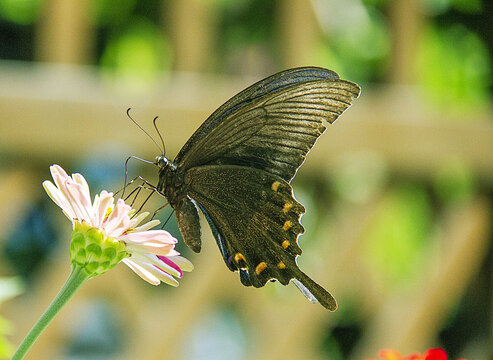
256, 221
237, 167
272, 124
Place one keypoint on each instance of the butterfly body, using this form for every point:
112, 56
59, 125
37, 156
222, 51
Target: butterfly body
237, 168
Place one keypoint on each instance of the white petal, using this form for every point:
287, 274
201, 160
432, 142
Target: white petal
100, 207
114, 225
60, 177
154, 261
138, 219
156, 249
135, 237
81, 205
79, 179
161, 272
147, 226
59, 198
150, 273
142, 272
164, 276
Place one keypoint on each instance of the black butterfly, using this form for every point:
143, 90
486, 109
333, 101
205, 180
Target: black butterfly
236, 168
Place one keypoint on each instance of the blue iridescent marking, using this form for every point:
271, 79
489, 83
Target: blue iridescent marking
219, 240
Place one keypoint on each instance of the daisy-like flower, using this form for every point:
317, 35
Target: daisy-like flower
430, 354
106, 232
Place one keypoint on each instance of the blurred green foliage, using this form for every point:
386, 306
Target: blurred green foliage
9, 288
357, 44
453, 65
454, 182
21, 12
105, 13
399, 234
137, 54
435, 7
452, 61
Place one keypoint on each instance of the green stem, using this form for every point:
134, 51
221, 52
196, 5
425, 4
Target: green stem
77, 277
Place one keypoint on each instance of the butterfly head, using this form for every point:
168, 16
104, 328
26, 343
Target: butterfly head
162, 162
166, 170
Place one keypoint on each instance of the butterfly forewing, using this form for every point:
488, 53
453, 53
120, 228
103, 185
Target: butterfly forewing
274, 132
276, 82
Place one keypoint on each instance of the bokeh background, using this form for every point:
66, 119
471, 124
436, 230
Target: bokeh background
398, 191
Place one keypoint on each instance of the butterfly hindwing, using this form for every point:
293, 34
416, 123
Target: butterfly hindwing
257, 220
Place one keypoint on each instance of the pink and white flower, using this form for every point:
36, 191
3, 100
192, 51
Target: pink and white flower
149, 253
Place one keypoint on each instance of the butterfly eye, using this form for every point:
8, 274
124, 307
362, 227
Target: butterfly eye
161, 161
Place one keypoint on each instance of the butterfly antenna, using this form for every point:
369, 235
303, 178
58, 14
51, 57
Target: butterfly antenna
169, 217
141, 128
159, 134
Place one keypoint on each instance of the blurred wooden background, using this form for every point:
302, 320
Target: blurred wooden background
57, 108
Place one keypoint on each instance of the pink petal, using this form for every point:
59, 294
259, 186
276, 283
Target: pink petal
171, 264
183, 263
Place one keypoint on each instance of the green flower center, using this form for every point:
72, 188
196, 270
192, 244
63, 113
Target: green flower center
92, 250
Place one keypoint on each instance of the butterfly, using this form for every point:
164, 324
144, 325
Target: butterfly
237, 168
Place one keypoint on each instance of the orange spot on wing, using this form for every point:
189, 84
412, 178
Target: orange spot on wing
275, 185
239, 257
287, 207
260, 267
281, 265
287, 225
285, 244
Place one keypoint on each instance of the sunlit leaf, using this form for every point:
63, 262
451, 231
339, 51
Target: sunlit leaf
22, 12
454, 182
398, 235
453, 66
138, 54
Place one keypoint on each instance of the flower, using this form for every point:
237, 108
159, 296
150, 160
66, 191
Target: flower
105, 233
431, 354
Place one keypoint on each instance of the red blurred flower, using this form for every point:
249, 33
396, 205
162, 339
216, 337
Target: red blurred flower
431, 354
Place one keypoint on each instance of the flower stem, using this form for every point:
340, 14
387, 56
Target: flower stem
77, 277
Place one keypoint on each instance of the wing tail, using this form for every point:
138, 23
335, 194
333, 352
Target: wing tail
314, 292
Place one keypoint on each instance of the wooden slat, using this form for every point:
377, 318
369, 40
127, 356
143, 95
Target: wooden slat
298, 32
191, 24
406, 18
65, 33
